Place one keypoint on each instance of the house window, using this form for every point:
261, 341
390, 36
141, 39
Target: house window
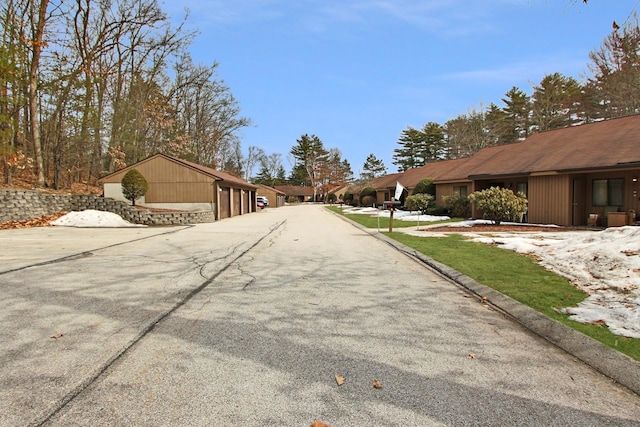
608, 192
460, 190
522, 187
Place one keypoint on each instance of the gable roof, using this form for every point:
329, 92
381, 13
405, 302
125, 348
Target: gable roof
386, 181
435, 170
266, 187
222, 176
613, 143
215, 174
411, 177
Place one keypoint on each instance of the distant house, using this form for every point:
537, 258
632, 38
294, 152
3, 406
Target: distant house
178, 184
276, 197
568, 175
296, 193
340, 191
385, 186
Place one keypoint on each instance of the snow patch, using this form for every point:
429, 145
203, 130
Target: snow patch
605, 264
397, 215
93, 218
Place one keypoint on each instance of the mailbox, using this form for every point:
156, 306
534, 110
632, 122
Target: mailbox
392, 204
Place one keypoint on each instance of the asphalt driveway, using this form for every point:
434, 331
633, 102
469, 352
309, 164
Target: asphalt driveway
247, 321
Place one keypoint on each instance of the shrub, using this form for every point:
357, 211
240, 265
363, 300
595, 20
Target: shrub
367, 201
458, 206
332, 198
500, 204
368, 191
425, 186
436, 210
134, 185
418, 202
348, 198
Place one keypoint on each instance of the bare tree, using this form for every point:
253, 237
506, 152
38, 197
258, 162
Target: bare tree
97, 81
254, 157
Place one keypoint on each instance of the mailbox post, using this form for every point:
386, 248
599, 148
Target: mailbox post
391, 205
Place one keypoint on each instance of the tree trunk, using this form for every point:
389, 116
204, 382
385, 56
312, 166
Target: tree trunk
34, 113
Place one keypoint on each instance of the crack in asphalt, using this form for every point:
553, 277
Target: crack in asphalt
85, 254
69, 397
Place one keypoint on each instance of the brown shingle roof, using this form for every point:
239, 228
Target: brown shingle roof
386, 181
436, 171
224, 176
606, 144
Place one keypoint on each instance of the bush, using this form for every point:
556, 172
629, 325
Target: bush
500, 204
458, 206
425, 186
436, 210
332, 198
368, 191
134, 185
367, 201
348, 198
418, 202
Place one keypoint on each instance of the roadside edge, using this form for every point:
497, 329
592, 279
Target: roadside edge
609, 362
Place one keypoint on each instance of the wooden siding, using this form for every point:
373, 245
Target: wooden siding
383, 196
442, 191
276, 198
550, 200
163, 170
182, 192
172, 182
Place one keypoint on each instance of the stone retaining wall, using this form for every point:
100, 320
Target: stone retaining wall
20, 205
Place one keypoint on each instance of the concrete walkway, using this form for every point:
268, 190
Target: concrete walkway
248, 320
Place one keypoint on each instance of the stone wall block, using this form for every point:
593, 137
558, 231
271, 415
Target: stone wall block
20, 205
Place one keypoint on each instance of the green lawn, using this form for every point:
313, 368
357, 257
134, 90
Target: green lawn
517, 276
371, 221
514, 275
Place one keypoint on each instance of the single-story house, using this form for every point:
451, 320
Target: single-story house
386, 186
569, 175
340, 191
182, 185
296, 193
275, 197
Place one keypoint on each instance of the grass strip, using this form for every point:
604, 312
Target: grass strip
517, 276
372, 221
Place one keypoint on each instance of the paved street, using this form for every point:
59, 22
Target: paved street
246, 322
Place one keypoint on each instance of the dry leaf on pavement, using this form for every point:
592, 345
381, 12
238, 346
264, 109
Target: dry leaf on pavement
58, 335
339, 379
319, 423
377, 384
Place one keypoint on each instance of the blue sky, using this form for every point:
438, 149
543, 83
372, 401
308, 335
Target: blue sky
358, 72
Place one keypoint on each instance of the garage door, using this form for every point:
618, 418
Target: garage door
223, 200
